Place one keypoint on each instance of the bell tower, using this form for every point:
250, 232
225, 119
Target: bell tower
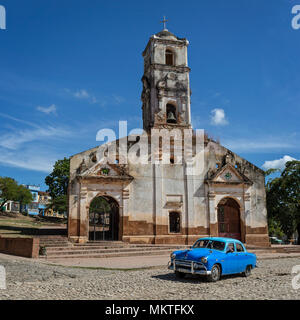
166, 85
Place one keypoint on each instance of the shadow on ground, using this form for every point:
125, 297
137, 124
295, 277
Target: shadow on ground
27, 231
191, 278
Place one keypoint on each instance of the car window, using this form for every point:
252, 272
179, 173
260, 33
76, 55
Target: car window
218, 245
239, 247
210, 244
230, 246
201, 244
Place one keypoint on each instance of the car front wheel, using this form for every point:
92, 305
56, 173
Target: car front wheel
215, 274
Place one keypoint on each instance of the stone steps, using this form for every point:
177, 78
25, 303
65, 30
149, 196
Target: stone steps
283, 249
58, 247
103, 249
55, 244
106, 253
111, 247
109, 255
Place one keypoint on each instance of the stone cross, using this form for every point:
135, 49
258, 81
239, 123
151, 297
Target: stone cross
164, 22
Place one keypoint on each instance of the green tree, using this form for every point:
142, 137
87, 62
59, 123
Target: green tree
10, 190
100, 205
58, 182
24, 196
283, 199
59, 203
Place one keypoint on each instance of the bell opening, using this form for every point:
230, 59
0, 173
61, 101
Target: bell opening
171, 114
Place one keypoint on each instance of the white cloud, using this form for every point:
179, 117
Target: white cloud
83, 94
31, 148
47, 110
118, 99
277, 164
18, 120
31, 159
16, 139
218, 117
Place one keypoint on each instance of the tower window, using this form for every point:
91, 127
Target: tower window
174, 219
169, 58
171, 113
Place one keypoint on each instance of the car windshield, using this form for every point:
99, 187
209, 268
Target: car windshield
210, 244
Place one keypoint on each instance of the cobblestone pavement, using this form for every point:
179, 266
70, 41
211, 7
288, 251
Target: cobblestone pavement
28, 279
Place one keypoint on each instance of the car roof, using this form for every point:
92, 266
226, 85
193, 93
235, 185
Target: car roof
220, 239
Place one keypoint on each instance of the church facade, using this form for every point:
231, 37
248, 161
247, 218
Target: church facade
217, 193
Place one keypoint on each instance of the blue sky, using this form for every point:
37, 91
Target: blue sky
69, 68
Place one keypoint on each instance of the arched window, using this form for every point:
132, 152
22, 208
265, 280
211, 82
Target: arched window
171, 113
174, 220
169, 58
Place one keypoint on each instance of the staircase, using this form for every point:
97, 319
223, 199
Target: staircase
286, 249
54, 241
57, 249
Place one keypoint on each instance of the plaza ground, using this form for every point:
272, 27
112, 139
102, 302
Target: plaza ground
36, 279
134, 277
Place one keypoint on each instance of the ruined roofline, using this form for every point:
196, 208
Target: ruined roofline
235, 154
207, 140
116, 141
157, 37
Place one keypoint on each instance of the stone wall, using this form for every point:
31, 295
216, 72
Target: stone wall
24, 247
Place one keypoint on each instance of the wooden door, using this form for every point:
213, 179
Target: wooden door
229, 219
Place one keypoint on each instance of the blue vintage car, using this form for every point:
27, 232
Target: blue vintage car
213, 257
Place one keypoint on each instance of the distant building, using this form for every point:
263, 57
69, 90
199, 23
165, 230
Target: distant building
12, 206
32, 208
44, 199
39, 205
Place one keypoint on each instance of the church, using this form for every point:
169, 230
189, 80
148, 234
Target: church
217, 194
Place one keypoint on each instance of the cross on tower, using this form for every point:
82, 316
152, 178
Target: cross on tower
164, 22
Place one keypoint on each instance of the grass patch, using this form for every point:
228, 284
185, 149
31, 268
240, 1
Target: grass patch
18, 225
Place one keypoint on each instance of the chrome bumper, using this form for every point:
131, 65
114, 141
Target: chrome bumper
192, 267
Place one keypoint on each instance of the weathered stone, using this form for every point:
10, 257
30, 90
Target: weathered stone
147, 193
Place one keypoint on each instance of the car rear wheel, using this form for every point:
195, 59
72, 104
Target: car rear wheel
215, 274
179, 275
247, 272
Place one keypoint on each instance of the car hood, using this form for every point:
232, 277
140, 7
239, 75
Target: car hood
195, 254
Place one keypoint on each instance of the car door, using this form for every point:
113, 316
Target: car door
230, 259
242, 259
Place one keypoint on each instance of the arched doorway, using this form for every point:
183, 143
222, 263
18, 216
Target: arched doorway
229, 223
104, 219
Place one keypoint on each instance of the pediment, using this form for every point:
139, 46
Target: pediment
229, 174
107, 171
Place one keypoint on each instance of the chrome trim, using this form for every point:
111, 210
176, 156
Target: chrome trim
187, 266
